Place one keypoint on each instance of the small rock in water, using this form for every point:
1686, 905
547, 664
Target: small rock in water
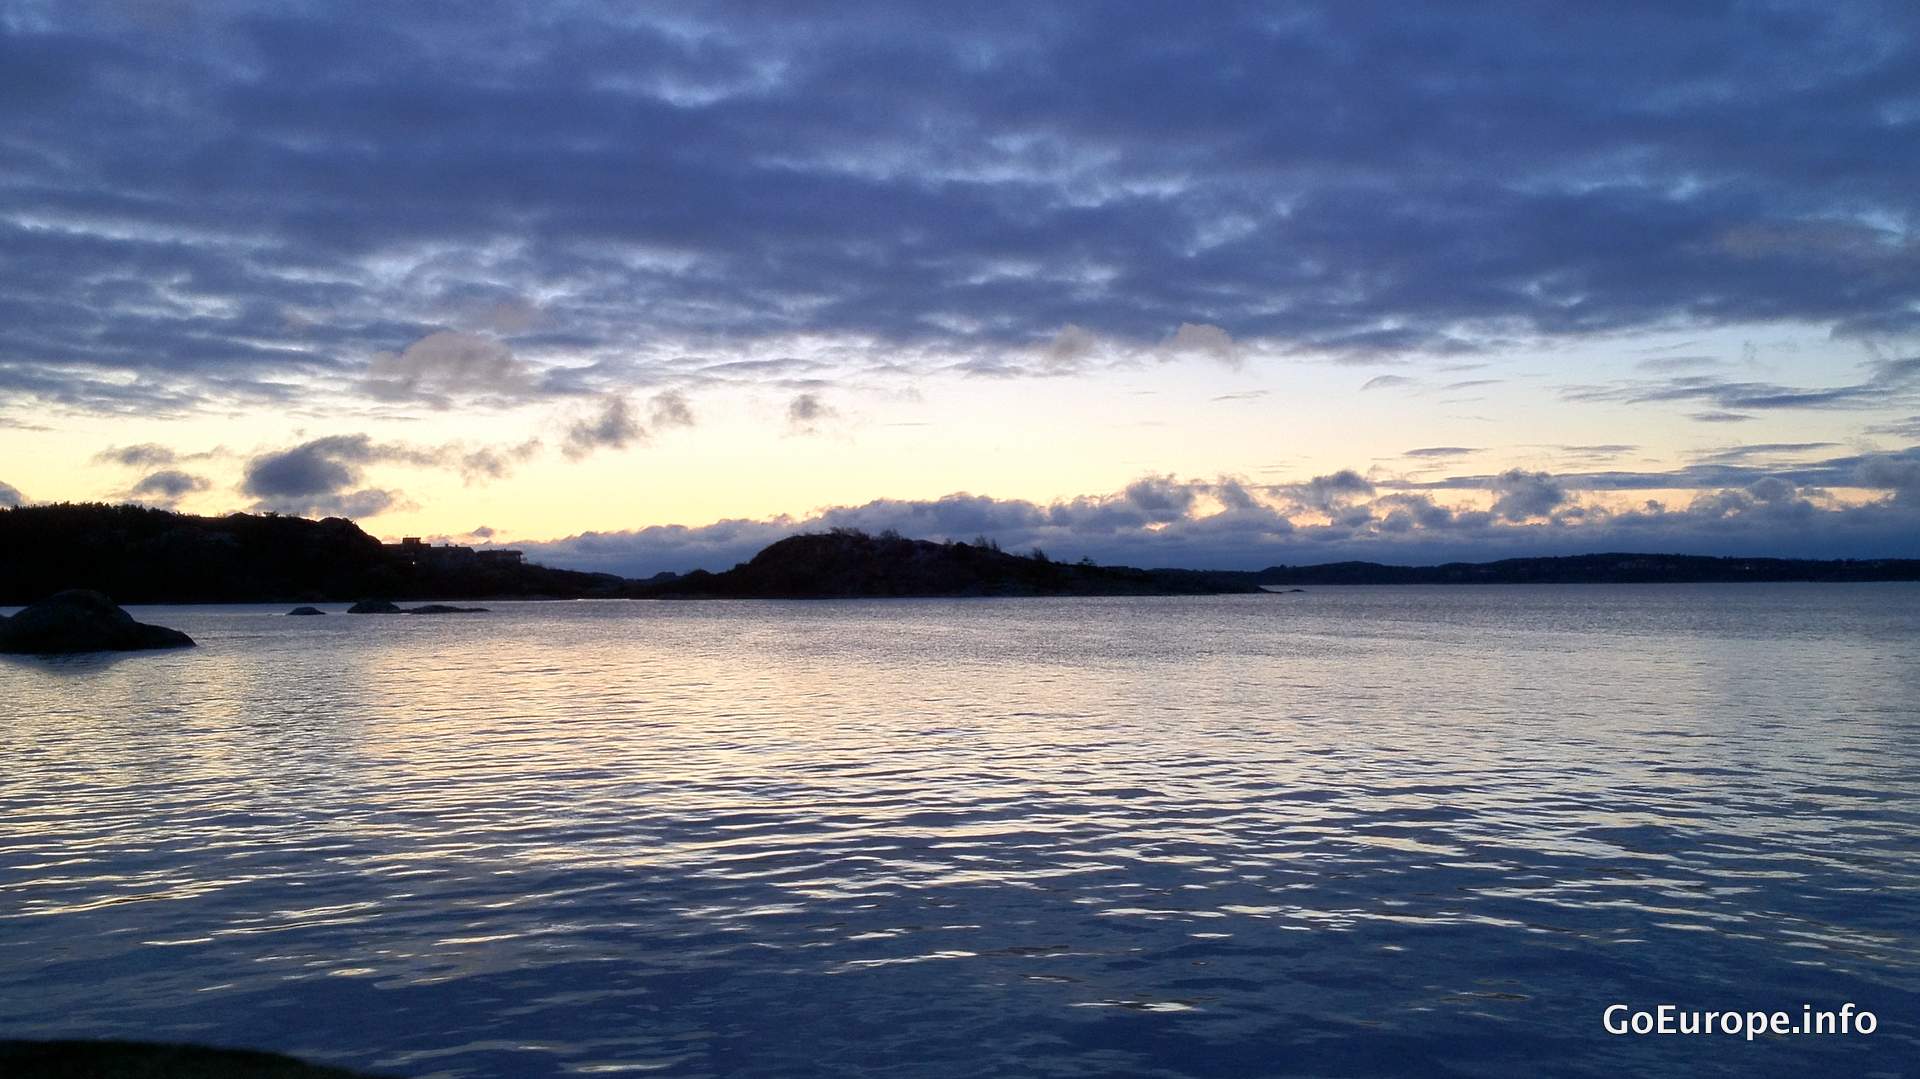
306, 610
373, 606
441, 608
82, 621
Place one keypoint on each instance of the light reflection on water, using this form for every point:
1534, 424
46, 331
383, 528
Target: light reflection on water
1345, 832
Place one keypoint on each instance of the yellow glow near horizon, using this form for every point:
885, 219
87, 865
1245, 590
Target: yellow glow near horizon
1040, 439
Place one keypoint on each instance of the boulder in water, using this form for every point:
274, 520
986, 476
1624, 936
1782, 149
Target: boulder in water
373, 606
88, 1059
82, 621
306, 611
441, 608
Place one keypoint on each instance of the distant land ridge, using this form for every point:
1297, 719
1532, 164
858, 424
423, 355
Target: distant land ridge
848, 563
141, 555
1614, 568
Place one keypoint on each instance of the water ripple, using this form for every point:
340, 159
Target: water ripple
1365, 831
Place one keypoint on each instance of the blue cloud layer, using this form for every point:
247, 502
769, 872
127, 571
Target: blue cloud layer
214, 204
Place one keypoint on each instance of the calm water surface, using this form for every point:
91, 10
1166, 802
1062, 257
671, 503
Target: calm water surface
1346, 832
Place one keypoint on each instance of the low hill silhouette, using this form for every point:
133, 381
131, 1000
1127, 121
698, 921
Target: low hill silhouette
1614, 568
140, 555
848, 563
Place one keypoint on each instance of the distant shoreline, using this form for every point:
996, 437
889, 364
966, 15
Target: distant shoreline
1262, 592
140, 556
1608, 568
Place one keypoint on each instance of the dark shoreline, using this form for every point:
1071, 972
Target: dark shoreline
145, 556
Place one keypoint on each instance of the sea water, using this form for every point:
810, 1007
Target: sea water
1342, 832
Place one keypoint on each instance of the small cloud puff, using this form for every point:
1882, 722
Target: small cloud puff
167, 486
614, 426
1204, 339
447, 366
806, 413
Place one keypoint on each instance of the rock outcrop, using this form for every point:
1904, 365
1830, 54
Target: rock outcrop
846, 563
381, 606
86, 1059
82, 621
306, 611
374, 606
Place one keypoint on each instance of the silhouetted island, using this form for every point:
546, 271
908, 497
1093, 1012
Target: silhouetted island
141, 555
848, 563
381, 606
81, 621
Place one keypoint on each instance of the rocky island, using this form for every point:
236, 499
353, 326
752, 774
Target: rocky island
845, 563
140, 555
82, 621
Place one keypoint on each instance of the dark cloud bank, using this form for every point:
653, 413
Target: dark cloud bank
1161, 521
223, 204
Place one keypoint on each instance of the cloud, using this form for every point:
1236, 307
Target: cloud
1406, 512
152, 456
1160, 499
1441, 451
807, 412
144, 455
1908, 428
446, 366
323, 476
10, 496
1386, 382
1832, 472
316, 478
1600, 449
1885, 380
1771, 499
670, 408
490, 308
1741, 454
1203, 339
613, 426
1070, 349
1333, 492
1163, 521
1521, 495
1714, 416
1665, 364
167, 487
1899, 473
1574, 186
475, 465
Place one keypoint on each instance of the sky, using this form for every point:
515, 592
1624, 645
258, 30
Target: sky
646, 287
